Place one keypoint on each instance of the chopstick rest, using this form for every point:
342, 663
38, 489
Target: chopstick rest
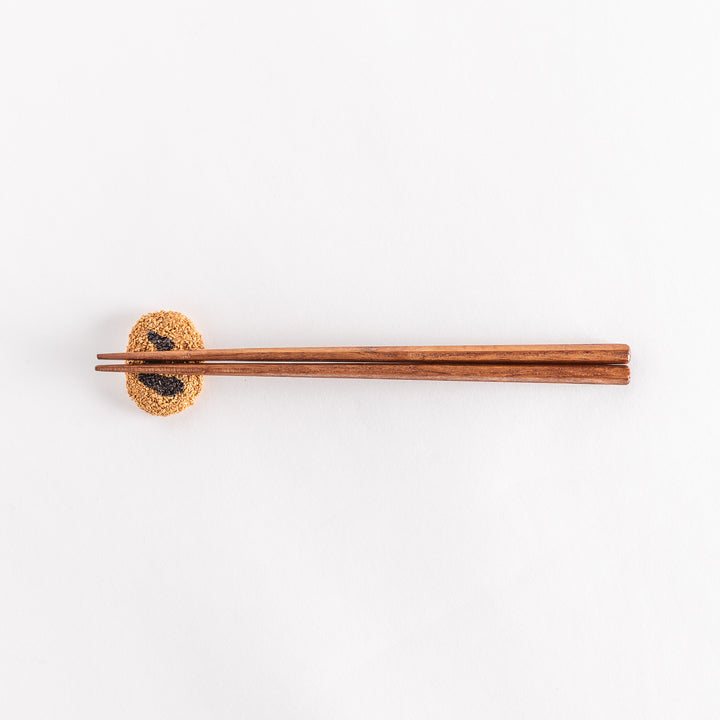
162, 393
166, 361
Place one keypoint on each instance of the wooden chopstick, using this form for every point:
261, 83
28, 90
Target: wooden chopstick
599, 354
557, 373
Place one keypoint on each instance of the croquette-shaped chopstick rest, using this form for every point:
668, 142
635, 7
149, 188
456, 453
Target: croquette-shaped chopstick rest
155, 393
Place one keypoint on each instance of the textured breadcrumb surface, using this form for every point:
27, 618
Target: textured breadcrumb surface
155, 332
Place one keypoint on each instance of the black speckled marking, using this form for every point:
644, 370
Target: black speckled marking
160, 341
162, 384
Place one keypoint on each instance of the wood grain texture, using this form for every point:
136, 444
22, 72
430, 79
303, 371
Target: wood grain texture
557, 373
609, 354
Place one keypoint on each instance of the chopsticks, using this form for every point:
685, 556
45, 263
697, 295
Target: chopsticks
599, 364
600, 354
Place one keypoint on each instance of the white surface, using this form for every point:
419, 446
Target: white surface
360, 173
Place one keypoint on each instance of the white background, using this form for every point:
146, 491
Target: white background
382, 172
